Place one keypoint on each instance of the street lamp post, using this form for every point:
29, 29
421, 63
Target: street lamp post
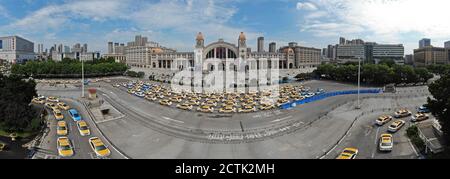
82, 78
359, 83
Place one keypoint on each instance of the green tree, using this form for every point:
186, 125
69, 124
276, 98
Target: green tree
15, 95
440, 103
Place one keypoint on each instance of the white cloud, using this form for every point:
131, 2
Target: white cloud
306, 6
184, 18
59, 16
381, 20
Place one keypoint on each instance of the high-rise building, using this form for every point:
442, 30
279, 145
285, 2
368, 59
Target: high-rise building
424, 43
431, 56
40, 49
66, 49
85, 48
394, 52
447, 44
60, 48
272, 47
342, 41
15, 49
409, 59
110, 48
260, 44
351, 52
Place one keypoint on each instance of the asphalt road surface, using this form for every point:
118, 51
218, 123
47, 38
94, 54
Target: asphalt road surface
150, 130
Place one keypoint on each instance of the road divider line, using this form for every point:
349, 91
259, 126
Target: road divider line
169, 119
281, 119
376, 135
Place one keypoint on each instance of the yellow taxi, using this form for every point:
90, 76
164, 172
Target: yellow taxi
38, 101
176, 99
227, 109
402, 113
185, 106
193, 102
250, 102
420, 117
64, 146
165, 102
282, 101
51, 106
61, 128
396, 126
210, 103
52, 99
386, 143
58, 115
63, 106
266, 106
247, 108
83, 128
229, 103
382, 120
99, 147
205, 109
348, 153
151, 97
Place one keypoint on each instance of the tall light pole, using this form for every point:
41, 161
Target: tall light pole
359, 83
82, 78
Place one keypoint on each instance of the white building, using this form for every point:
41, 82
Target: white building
351, 52
15, 49
387, 51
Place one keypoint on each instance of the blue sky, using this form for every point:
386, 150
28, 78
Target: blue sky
174, 23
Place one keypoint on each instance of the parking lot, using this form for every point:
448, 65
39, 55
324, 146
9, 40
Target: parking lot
231, 102
150, 130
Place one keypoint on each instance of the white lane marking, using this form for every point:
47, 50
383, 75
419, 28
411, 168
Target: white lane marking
282, 119
376, 135
376, 142
169, 119
412, 146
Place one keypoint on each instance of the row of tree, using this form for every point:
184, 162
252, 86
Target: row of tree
135, 74
15, 95
374, 74
439, 69
69, 68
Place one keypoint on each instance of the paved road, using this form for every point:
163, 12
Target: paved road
80, 143
309, 131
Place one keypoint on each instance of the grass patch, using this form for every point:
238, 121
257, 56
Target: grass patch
33, 129
24, 134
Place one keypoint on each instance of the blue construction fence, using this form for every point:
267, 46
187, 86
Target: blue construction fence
327, 95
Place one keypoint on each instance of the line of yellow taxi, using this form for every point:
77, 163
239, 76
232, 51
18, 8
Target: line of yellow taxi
229, 102
63, 144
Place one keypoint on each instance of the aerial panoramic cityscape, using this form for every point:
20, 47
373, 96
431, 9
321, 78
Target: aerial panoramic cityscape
215, 79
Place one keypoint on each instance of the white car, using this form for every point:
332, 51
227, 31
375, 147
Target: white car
419, 117
53, 99
402, 113
396, 126
386, 143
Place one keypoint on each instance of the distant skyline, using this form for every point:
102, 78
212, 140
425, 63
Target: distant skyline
175, 23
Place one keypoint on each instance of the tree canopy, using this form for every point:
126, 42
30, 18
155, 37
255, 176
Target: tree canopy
69, 68
376, 74
439, 104
15, 96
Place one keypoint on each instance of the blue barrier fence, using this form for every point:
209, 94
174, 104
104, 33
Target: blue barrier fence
327, 95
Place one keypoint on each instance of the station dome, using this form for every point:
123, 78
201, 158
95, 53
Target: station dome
200, 36
242, 36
